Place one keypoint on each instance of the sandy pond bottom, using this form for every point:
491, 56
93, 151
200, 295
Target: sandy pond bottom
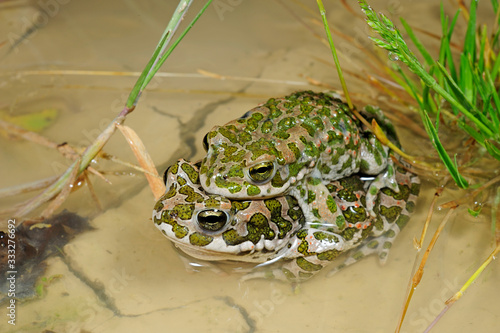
124, 276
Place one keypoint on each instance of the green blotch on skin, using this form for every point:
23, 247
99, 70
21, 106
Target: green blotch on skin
302, 191
283, 225
390, 213
235, 171
349, 233
191, 173
378, 224
290, 104
288, 274
347, 164
286, 123
244, 137
324, 111
372, 244
311, 196
266, 127
390, 233
364, 165
329, 255
192, 196
313, 181
310, 149
203, 169
275, 113
336, 157
402, 221
281, 135
265, 147
174, 169
170, 193
410, 207
211, 203
294, 211
228, 132
323, 236
181, 181
307, 266
334, 137
240, 205
200, 239
358, 255
355, 214
340, 222
330, 203
231, 154
277, 181
305, 109
324, 168
232, 187
257, 226
295, 168
304, 275
159, 205
294, 149
316, 213
253, 121
390, 171
183, 211
332, 188
253, 190
415, 189
351, 184
403, 194
166, 217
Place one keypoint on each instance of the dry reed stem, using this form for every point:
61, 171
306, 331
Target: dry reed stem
420, 271
155, 182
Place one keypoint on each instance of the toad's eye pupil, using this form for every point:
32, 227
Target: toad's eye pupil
261, 172
212, 219
205, 142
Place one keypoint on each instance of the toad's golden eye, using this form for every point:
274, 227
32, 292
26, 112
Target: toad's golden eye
212, 219
261, 172
205, 142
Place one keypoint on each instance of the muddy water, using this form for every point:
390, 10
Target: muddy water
125, 276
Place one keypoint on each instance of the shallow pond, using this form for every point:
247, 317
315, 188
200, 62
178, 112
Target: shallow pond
124, 276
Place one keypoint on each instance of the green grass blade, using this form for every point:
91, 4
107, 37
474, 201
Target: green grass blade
443, 155
334, 53
418, 44
492, 149
482, 45
472, 132
494, 4
164, 57
148, 71
464, 105
136, 90
470, 35
465, 81
494, 112
496, 67
161, 52
394, 43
